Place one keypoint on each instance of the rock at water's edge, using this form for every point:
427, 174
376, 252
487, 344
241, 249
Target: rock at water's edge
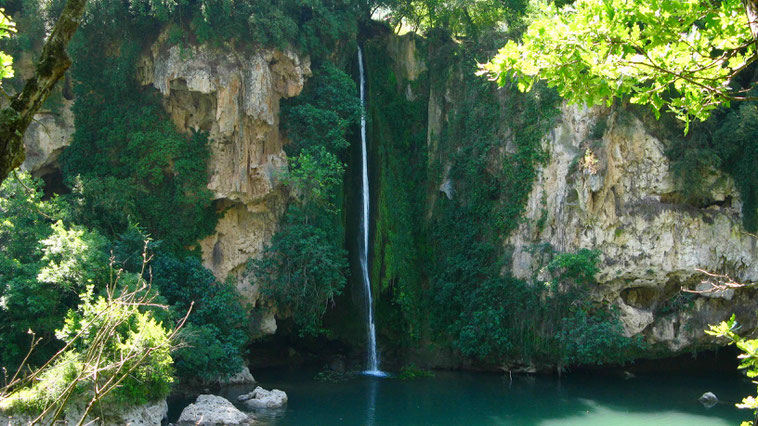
212, 410
708, 400
262, 398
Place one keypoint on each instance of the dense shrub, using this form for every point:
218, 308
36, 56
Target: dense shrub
215, 337
27, 303
116, 353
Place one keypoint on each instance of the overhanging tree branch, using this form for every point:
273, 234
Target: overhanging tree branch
53, 63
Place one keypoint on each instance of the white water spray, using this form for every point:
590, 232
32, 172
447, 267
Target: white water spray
373, 358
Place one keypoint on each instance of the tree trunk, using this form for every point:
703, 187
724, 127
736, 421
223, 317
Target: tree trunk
52, 64
751, 9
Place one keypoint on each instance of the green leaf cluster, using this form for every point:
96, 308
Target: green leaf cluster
7, 27
44, 265
748, 358
678, 54
462, 18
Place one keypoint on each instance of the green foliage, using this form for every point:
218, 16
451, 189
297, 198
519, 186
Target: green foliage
488, 316
127, 163
215, 336
74, 258
46, 263
304, 267
26, 302
7, 27
115, 353
134, 333
579, 267
748, 357
595, 337
725, 143
460, 18
329, 375
412, 372
398, 134
681, 55
310, 25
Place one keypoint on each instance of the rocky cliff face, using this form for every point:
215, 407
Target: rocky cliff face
52, 128
608, 187
234, 97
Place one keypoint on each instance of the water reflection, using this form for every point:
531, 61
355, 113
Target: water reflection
373, 387
467, 398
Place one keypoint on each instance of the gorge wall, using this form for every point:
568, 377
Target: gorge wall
612, 190
234, 97
605, 185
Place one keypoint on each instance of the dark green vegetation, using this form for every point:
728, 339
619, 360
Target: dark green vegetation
54, 276
726, 142
494, 318
50, 262
439, 261
312, 26
438, 258
464, 19
130, 175
398, 135
304, 267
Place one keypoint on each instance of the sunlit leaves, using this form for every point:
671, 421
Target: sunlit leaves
678, 54
748, 358
7, 27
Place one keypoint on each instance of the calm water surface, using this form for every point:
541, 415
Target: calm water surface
456, 398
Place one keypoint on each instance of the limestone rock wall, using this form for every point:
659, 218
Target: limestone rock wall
233, 96
611, 190
52, 128
45, 138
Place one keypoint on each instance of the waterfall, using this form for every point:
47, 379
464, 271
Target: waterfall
372, 365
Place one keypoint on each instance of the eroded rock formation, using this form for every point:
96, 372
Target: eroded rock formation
613, 191
233, 96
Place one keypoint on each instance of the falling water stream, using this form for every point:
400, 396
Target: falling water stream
372, 366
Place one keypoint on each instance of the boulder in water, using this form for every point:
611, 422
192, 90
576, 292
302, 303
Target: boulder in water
708, 400
262, 398
212, 410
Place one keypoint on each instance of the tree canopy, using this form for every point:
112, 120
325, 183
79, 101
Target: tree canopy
683, 55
